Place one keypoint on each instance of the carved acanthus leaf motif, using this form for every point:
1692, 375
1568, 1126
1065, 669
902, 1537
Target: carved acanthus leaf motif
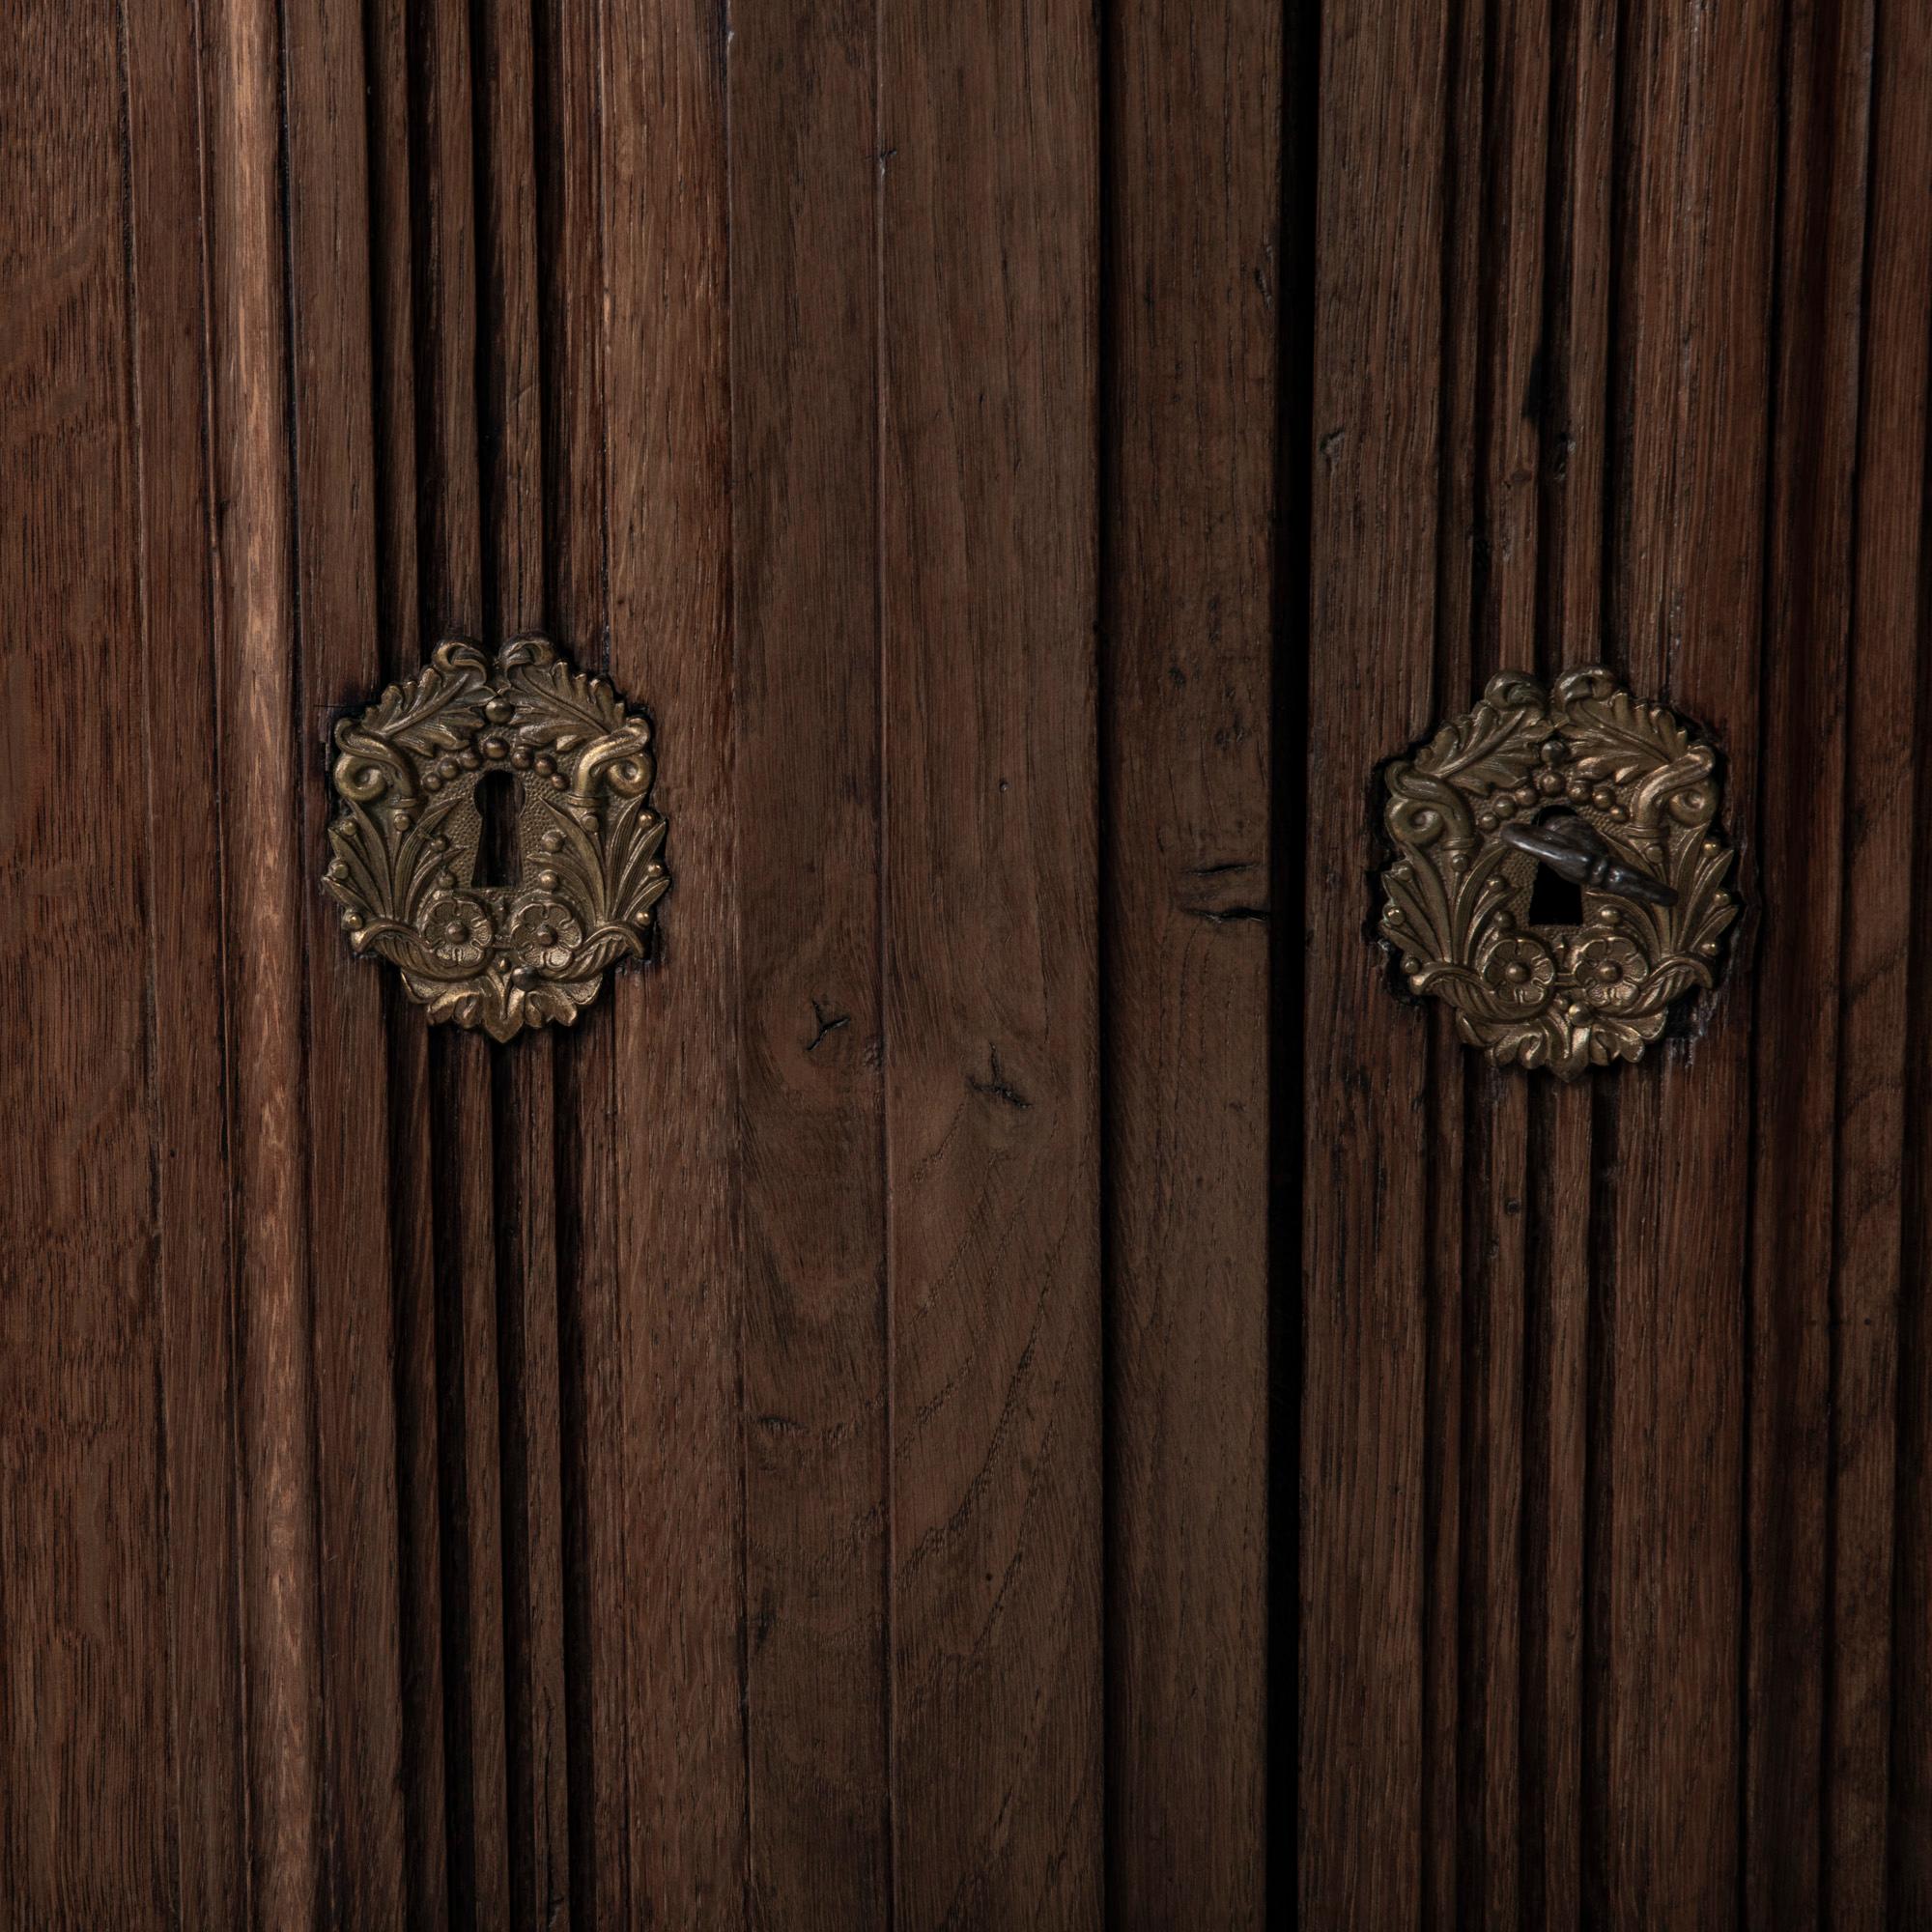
1632, 780
404, 848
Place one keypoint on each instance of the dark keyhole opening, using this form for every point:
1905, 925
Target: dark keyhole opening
1553, 900
497, 806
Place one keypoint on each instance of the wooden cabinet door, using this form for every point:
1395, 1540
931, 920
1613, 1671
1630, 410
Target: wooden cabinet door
999, 1378
1613, 1425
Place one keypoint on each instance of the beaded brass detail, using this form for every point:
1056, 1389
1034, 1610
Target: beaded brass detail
1617, 798
498, 954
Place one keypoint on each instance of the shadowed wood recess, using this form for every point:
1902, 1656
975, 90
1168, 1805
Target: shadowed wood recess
1000, 1379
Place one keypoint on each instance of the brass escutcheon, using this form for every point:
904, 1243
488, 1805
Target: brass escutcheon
1616, 802
501, 955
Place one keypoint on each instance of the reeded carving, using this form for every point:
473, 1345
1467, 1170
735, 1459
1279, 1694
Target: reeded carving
405, 845
1618, 797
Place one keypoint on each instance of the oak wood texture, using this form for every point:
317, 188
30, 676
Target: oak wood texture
1192, 214
1648, 1651
989, 520
1000, 1379
807, 576
255, 701
1365, 1336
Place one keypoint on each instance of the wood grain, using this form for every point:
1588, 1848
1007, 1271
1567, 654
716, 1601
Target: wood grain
1374, 513
988, 140
1802, 782
1486, 621
567, 49
1897, 612
334, 644
524, 1086
452, 585
1886, 732
1568, 1236
393, 490
678, 1273
1694, 236
806, 572
1189, 407
255, 611
84, 1500
798, 1449
193, 1259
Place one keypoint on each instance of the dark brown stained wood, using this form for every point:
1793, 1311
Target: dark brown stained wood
1694, 228
1441, 1552
1189, 532
987, 137
84, 1328
1802, 775
673, 1139
266, 894
1495, 325
392, 486
1554, 1497
452, 589
1453, 1397
1441, 1532
1909, 1799
1567, 391
334, 648
181, 890
1893, 615
1879, 1002
522, 1079
570, 255
804, 186
796, 1450
1379, 297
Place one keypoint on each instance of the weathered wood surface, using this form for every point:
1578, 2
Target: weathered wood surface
1000, 1379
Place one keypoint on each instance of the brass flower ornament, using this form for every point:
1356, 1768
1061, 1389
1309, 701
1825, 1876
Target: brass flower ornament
405, 847
1617, 801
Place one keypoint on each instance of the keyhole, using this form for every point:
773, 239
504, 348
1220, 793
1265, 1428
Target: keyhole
497, 806
1553, 900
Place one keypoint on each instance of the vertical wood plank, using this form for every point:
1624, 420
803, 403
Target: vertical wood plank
452, 590
1454, 1398
804, 570
1189, 424
1458, 1386
1694, 291
1567, 1237
1892, 618
510, 386
194, 1258
261, 772
1897, 612
328, 215
1509, 151
1554, 1485
571, 259
987, 139
1885, 729
84, 1331
393, 486
1801, 778
1373, 530
673, 1139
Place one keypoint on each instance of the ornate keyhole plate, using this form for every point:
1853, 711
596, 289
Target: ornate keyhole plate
405, 845
1620, 800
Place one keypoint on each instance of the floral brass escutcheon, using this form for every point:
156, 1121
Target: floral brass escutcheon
1620, 798
406, 843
